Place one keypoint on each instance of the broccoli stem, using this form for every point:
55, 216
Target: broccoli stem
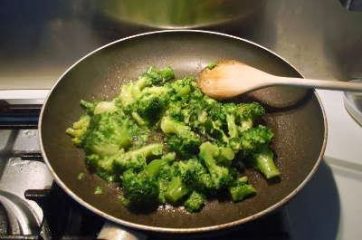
147, 151
233, 129
176, 190
154, 167
171, 126
263, 162
226, 156
241, 191
220, 175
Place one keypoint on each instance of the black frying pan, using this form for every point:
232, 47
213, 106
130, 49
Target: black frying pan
300, 130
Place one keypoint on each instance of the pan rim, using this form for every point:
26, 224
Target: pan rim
179, 230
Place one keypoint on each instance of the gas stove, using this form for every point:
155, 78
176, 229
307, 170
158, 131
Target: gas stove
320, 38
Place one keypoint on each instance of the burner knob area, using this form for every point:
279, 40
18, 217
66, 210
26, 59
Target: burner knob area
4, 221
16, 216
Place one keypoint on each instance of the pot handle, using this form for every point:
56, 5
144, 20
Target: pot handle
111, 231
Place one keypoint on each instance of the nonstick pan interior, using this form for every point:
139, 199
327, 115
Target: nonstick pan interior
300, 130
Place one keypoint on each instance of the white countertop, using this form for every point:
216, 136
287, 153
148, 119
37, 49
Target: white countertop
329, 207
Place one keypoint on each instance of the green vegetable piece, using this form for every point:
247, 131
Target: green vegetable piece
98, 190
154, 167
88, 106
107, 134
138, 119
220, 175
176, 190
139, 190
251, 110
241, 190
253, 138
136, 159
232, 127
79, 129
211, 65
263, 162
226, 156
154, 149
169, 126
182, 140
80, 176
103, 107
195, 202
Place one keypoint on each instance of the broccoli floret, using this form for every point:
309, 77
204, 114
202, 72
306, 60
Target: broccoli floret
220, 175
226, 156
103, 165
150, 108
140, 190
253, 138
240, 189
195, 202
131, 92
262, 160
165, 174
108, 132
155, 166
182, 145
154, 76
170, 126
180, 137
116, 137
176, 190
79, 129
88, 106
148, 182
194, 174
182, 89
136, 159
250, 110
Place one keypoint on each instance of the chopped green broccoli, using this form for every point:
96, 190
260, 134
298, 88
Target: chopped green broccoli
155, 166
79, 129
137, 159
220, 175
262, 160
140, 190
240, 189
165, 142
194, 174
253, 138
195, 202
180, 137
103, 107
107, 134
176, 190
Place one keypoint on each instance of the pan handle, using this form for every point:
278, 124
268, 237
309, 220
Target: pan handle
112, 231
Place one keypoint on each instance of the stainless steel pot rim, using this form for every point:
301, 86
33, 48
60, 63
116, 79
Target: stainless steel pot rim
180, 230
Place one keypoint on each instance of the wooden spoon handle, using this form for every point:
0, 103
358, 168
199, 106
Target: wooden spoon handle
314, 83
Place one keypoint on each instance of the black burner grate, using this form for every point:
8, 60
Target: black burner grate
63, 217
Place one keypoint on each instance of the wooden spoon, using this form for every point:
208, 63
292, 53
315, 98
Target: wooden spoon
232, 78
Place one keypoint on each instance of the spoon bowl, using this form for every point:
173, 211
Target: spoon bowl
230, 78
